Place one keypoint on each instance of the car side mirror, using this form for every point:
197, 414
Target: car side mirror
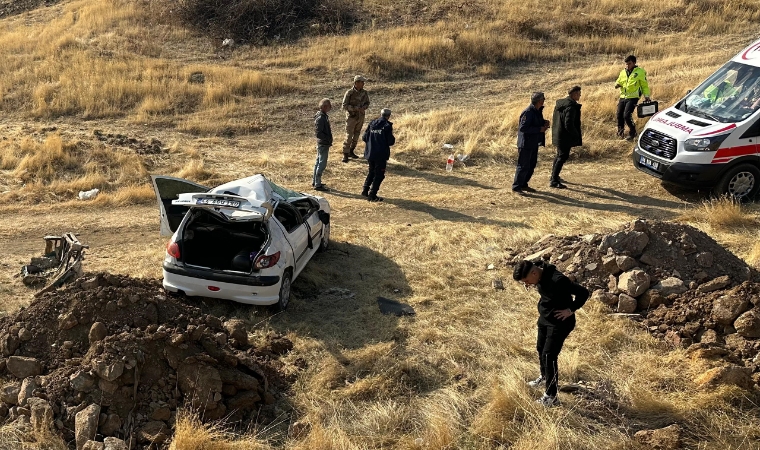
688, 92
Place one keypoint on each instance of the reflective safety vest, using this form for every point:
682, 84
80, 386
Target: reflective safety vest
634, 85
723, 90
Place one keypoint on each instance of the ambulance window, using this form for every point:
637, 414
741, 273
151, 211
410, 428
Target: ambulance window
753, 131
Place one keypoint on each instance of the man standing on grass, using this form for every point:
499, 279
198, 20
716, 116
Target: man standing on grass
355, 102
632, 83
566, 132
556, 318
324, 141
379, 138
530, 135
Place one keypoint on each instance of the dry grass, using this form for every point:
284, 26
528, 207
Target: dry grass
192, 434
722, 214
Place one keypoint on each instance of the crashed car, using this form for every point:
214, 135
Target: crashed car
245, 241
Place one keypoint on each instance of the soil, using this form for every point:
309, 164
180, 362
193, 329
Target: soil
699, 296
124, 344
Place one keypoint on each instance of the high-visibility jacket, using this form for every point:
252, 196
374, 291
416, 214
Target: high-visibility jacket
721, 91
634, 85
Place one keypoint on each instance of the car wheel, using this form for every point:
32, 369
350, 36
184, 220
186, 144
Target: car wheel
284, 298
325, 238
741, 182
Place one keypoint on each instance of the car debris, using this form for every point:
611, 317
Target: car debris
60, 262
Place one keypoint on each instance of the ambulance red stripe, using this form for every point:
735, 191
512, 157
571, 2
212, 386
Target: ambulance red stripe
732, 152
730, 127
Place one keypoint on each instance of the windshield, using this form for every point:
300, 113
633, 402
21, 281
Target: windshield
731, 94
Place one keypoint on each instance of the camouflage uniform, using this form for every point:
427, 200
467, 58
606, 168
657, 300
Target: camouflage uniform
352, 102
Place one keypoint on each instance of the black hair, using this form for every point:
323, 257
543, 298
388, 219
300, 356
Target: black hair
631, 58
574, 89
522, 269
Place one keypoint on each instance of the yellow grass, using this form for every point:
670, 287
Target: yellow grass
722, 214
191, 434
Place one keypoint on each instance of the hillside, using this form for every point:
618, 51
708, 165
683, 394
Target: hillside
103, 93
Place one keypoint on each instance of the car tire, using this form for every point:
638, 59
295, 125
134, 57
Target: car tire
325, 240
741, 182
285, 291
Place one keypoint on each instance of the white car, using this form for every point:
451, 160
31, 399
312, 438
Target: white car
246, 240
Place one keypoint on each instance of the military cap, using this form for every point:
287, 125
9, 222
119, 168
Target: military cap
359, 78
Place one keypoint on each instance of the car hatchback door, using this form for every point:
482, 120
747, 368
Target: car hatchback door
167, 190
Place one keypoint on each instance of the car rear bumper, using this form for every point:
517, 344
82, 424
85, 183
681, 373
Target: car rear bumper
249, 290
682, 174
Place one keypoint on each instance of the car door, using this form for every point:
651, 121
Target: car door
168, 189
309, 208
295, 231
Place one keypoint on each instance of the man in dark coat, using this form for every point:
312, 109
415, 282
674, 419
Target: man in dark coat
566, 132
379, 138
324, 136
530, 135
556, 318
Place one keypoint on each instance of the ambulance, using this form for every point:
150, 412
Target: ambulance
711, 137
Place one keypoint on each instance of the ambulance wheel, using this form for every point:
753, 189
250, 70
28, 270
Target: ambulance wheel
741, 182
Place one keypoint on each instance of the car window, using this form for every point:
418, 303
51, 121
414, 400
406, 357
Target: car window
288, 216
305, 206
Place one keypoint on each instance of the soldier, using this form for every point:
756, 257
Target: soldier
355, 102
379, 139
324, 142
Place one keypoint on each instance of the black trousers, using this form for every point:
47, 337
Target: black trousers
549, 344
625, 115
563, 153
527, 158
375, 176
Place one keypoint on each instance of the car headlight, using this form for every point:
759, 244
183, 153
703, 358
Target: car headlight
710, 144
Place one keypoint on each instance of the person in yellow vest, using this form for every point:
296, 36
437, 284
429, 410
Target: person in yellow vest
633, 84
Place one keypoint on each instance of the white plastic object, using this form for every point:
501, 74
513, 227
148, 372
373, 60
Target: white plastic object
87, 195
450, 163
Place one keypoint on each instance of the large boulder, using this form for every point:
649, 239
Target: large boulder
111, 425
22, 366
238, 333
605, 297
108, 372
82, 381
728, 375
668, 438
630, 242
626, 304
748, 324
41, 415
728, 307
98, 332
625, 263
86, 425
28, 386
9, 393
634, 282
669, 286
200, 383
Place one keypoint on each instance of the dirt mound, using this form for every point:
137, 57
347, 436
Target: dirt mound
681, 284
114, 356
13, 7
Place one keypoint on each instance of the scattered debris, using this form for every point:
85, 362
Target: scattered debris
388, 306
61, 262
88, 195
141, 147
497, 284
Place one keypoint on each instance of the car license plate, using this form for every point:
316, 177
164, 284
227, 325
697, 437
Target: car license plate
654, 165
219, 202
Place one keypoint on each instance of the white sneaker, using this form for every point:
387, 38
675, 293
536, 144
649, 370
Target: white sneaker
548, 401
538, 382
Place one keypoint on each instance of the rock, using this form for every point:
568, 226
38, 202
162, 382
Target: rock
497, 284
607, 298
162, 414
111, 425
630, 242
93, 445
90, 283
668, 438
238, 379
67, 321
715, 284
109, 387
22, 366
609, 265
670, 286
199, 382
86, 425
705, 259
634, 282
25, 335
238, 332
112, 443
243, 400
748, 324
649, 260
542, 254
9, 393
728, 375
28, 386
639, 225
154, 432
728, 307
612, 283
82, 381
9, 344
591, 267
651, 299
687, 244
626, 304
625, 263
673, 338
98, 332
108, 372
490, 267
710, 337
41, 415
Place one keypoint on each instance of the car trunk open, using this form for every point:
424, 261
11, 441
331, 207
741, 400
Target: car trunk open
210, 240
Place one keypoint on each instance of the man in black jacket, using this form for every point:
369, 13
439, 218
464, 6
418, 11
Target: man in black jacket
556, 318
379, 138
324, 141
530, 135
566, 131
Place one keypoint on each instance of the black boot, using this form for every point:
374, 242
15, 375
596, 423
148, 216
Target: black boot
365, 191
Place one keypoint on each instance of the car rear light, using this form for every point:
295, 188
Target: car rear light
213, 288
173, 249
266, 261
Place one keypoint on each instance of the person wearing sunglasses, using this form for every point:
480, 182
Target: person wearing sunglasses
559, 299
